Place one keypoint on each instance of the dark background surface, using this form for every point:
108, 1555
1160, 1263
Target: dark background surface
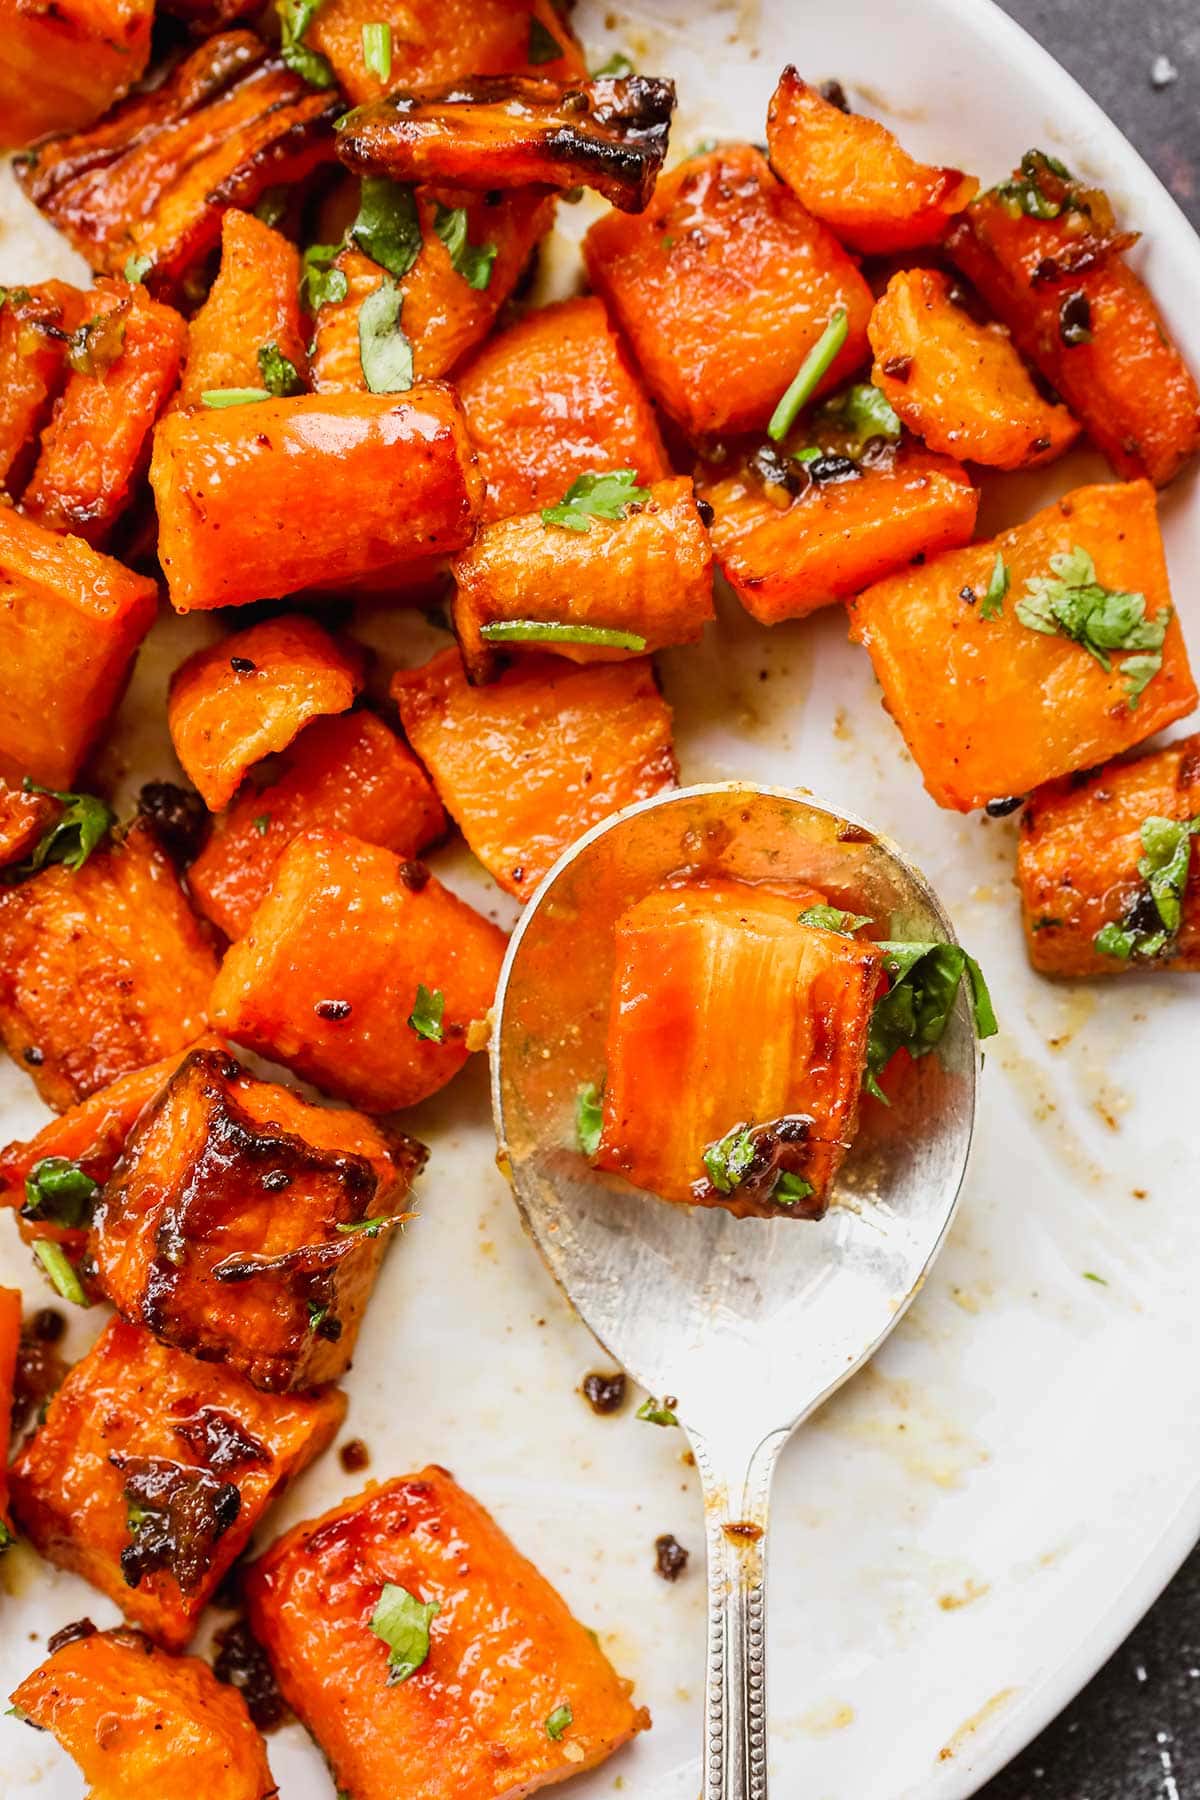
1134, 1734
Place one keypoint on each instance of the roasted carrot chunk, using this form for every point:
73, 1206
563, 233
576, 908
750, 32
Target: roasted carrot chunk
26, 814
599, 588
1051, 648
531, 762
1046, 254
1107, 868
152, 1470
449, 297
360, 972
439, 40
205, 17
234, 702
551, 398
70, 624
154, 178
103, 969
35, 325
723, 286
248, 331
691, 1111
10, 1338
960, 386
789, 541
349, 773
52, 1179
143, 1725
509, 131
125, 364
852, 174
65, 64
542, 1702
279, 495
276, 1213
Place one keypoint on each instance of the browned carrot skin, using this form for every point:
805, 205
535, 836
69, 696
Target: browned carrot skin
35, 325
282, 495
239, 700
126, 356
648, 575
311, 1598
156, 175
24, 819
348, 772
252, 306
437, 41
10, 1338
509, 131
103, 969
263, 1199
65, 64
528, 763
1086, 320
1077, 865
198, 1450
70, 624
143, 1724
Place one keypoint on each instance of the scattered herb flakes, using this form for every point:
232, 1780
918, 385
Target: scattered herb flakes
618, 66
137, 268
403, 1622
589, 1117
598, 494
377, 49
280, 375
59, 1192
472, 261
56, 1263
559, 1719
1090, 1275
262, 824
997, 588
369, 1227
320, 283
808, 377
427, 1014
658, 1412
387, 227
728, 1160
82, 825
550, 631
295, 17
218, 397
916, 1009
1071, 603
791, 1188
98, 342
543, 46
271, 209
832, 918
1040, 189
864, 412
384, 351
1151, 923
317, 1316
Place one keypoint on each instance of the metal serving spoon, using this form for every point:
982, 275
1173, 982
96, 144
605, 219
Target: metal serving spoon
746, 1324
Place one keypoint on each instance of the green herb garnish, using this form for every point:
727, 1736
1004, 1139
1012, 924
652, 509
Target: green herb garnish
1164, 867
559, 1719
387, 228
317, 1316
295, 17
658, 1412
272, 206
864, 412
790, 1188
600, 494
262, 824
472, 261
59, 1191
428, 1010
812, 370
79, 828
589, 1118
217, 397
547, 631
1028, 191
997, 588
543, 47
320, 283
728, 1160
915, 1011
618, 65
832, 918
54, 1260
384, 351
377, 49
1071, 603
136, 268
369, 1227
280, 375
1090, 1275
403, 1622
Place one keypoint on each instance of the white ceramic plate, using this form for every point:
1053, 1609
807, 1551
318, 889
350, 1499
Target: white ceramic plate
966, 1531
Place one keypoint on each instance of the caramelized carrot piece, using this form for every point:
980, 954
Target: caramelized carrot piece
70, 624
143, 1725
278, 1214
1077, 868
152, 1471
252, 306
723, 286
1081, 315
35, 324
25, 817
442, 314
960, 386
645, 579
154, 178
65, 64
551, 397
284, 494
441, 40
314, 1602
236, 701
126, 359
693, 963
851, 173
990, 706
10, 1338
350, 947
509, 131
527, 764
103, 969
348, 772
788, 543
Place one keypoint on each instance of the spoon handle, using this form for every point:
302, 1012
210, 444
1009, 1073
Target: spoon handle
735, 1695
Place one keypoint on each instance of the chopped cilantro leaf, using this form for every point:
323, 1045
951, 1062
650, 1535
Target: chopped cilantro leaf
832, 918
543, 46
137, 268
320, 283
559, 1719
426, 1016
387, 228
790, 1188
864, 412
79, 828
383, 349
279, 373
589, 1117
550, 631
472, 261
916, 1009
729, 1159
369, 1227
295, 17
997, 588
1071, 603
618, 65
658, 1412
403, 1622
600, 494
316, 1315
262, 823
808, 377
54, 1260
1039, 188
59, 1192
1151, 923
1090, 1275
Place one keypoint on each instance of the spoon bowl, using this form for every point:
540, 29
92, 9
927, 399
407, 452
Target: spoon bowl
739, 1327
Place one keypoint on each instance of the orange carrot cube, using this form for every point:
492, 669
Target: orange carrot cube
35, 326
440, 40
10, 1338
65, 64
253, 306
